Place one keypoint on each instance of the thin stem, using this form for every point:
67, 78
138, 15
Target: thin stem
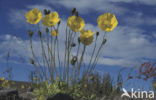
81, 59
58, 56
98, 54
64, 74
31, 47
54, 57
92, 55
77, 60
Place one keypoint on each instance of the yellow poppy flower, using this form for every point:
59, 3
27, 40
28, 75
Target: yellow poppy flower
54, 33
51, 19
107, 22
33, 16
2, 78
86, 37
76, 23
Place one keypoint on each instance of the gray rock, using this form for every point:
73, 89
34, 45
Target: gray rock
60, 96
27, 96
8, 94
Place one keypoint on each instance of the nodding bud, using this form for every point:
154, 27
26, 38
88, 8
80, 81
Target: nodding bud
39, 33
73, 11
130, 77
73, 45
92, 77
46, 12
59, 23
30, 33
31, 61
97, 34
76, 13
79, 40
47, 30
74, 60
104, 41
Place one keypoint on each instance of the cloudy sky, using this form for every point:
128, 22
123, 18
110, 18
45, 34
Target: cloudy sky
131, 43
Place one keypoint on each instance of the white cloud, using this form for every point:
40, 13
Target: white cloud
18, 16
138, 18
85, 6
125, 45
146, 2
19, 49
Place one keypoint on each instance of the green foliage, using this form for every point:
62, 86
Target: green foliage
47, 88
88, 88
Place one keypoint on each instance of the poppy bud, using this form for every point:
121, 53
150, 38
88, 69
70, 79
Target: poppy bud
31, 61
73, 11
79, 40
97, 34
48, 12
130, 77
45, 11
59, 23
47, 30
104, 41
74, 60
76, 13
73, 45
30, 33
92, 77
39, 33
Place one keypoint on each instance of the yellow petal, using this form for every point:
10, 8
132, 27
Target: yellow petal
107, 22
75, 23
33, 16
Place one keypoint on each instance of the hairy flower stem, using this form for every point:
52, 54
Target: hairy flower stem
48, 55
92, 56
65, 54
68, 54
54, 57
77, 61
81, 59
37, 69
97, 55
43, 53
44, 62
57, 42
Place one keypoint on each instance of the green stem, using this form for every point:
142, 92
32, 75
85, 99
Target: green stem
81, 59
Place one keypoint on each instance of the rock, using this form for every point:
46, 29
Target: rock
26, 96
60, 96
8, 94
30, 89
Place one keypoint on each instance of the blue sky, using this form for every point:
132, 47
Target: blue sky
130, 44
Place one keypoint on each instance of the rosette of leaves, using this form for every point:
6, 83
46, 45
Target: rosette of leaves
50, 89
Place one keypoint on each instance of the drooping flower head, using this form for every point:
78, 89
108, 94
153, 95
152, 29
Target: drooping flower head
33, 16
76, 23
86, 37
107, 22
54, 33
51, 19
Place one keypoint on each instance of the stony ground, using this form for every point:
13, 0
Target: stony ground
13, 94
18, 94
